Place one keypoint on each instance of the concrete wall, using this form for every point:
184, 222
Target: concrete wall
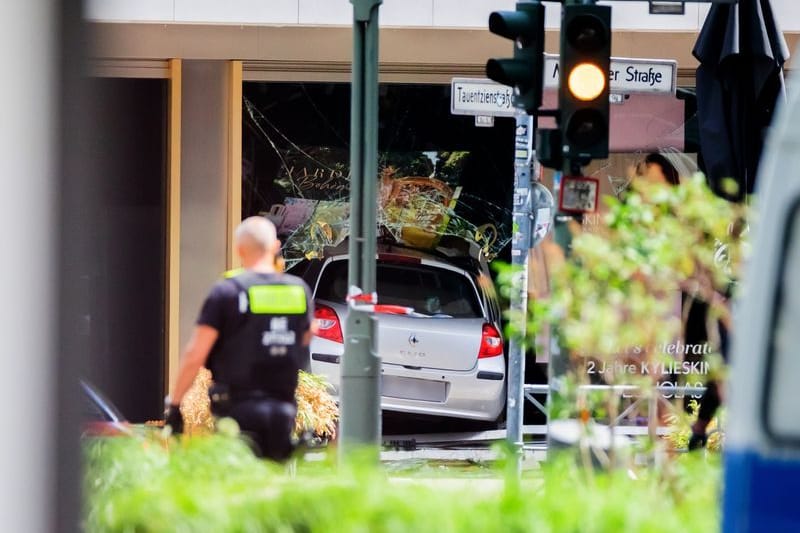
204, 141
30, 136
417, 13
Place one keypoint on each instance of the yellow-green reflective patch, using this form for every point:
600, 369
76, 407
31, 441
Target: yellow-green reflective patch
232, 273
277, 299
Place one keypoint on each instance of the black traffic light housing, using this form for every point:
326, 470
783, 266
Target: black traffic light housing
525, 27
584, 87
548, 148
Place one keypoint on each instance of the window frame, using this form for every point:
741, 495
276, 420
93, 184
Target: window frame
778, 438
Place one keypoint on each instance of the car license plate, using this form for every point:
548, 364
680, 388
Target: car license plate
413, 389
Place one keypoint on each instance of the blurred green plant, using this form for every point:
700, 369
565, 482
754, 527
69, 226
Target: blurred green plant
617, 291
616, 299
213, 483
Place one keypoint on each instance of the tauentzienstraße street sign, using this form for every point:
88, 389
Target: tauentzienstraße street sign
480, 96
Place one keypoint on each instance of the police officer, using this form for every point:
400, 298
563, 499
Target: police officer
253, 334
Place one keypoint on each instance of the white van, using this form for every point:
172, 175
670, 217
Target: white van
762, 457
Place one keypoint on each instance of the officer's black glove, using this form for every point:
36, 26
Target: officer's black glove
697, 441
174, 419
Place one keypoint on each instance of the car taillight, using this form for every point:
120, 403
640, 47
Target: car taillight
328, 322
491, 342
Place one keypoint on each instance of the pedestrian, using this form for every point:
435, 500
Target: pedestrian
253, 334
656, 168
713, 396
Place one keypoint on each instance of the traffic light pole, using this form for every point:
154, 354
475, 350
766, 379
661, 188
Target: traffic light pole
525, 27
561, 232
524, 162
558, 364
583, 106
360, 426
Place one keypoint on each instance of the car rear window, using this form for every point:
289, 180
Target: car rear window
428, 289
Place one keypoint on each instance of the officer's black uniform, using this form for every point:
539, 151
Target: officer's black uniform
261, 319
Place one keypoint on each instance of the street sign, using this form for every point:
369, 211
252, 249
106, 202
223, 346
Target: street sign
628, 76
481, 96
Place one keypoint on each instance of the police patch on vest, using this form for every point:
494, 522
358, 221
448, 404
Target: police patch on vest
278, 334
277, 299
283, 338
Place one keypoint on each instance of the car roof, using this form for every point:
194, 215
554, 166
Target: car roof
455, 252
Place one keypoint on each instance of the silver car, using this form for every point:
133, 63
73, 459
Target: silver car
447, 359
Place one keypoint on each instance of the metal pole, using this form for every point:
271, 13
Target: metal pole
520, 245
356, 157
78, 194
360, 372
370, 155
558, 365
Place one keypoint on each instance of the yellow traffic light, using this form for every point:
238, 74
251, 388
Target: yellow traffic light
584, 64
586, 81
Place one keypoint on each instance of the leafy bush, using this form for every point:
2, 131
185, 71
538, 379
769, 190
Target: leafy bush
615, 300
213, 483
657, 242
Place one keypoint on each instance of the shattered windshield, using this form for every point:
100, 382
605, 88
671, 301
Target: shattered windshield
437, 180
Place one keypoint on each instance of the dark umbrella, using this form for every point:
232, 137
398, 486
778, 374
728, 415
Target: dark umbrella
741, 53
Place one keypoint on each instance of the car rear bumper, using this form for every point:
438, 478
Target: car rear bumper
477, 394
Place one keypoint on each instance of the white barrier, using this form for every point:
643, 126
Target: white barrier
653, 401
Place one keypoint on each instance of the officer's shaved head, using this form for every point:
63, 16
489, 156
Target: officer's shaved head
256, 235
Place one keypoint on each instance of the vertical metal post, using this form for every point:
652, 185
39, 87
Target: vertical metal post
75, 241
369, 197
558, 365
520, 245
360, 372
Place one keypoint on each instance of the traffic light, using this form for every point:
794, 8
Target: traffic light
584, 73
524, 72
548, 148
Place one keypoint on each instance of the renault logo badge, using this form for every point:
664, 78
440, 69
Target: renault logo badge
413, 340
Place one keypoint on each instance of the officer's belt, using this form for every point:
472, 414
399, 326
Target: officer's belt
240, 395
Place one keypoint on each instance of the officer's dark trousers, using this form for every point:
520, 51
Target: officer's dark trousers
709, 403
267, 423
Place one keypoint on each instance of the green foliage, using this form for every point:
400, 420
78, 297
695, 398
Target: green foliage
615, 302
215, 484
618, 290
